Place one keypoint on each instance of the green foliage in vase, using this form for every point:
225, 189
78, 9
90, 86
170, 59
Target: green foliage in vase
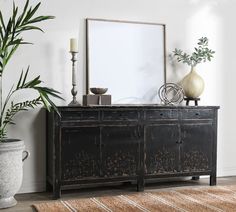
201, 53
10, 40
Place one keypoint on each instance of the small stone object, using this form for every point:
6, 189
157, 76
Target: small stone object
171, 93
99, 91
94, 99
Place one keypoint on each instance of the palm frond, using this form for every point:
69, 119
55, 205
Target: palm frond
14, 109
11, 39
10, 32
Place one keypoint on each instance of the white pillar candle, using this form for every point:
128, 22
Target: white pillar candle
73, 45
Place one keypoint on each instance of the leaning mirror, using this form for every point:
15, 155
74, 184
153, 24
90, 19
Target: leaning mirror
128, 58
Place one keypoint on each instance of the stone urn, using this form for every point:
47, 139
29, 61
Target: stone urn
193, 84
12, 156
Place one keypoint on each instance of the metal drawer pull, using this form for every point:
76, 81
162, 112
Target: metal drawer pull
197, 114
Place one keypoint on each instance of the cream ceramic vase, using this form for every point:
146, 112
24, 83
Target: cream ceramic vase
193, 84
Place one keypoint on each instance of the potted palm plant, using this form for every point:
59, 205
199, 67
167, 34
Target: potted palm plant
11, 150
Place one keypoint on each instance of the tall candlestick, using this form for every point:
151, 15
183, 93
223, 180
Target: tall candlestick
73, 45
74, 102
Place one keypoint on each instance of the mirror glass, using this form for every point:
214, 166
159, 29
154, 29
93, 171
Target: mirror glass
128, 58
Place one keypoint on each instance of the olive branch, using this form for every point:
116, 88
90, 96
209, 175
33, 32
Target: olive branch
201, 53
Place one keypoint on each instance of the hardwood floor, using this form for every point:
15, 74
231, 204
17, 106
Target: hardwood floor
26, 200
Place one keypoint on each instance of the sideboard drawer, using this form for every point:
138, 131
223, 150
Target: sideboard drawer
121, 115
161, 114
197, 114
80, 115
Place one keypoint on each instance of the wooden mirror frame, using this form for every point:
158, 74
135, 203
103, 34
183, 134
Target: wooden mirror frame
120, 21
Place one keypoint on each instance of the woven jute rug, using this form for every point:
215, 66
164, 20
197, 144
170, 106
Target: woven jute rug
197, 199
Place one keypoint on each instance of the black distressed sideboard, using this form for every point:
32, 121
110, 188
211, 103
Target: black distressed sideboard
120, 143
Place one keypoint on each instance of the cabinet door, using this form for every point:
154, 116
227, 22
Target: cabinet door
162, 150
197, 146
80, 153
120, 151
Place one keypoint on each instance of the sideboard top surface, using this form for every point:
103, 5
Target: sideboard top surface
140, 106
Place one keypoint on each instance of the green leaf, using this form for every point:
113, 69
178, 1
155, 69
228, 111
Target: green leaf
32, 12
50, 102
14, 12
23, 13
1, 35
11, 53
9, 26
45, 101
32, 83
27, 28
19, 81
26, 74
2, 22
49, 91
15, 42
40, 18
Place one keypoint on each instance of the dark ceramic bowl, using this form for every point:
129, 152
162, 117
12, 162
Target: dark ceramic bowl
98, 90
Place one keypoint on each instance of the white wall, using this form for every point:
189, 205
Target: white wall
186, 21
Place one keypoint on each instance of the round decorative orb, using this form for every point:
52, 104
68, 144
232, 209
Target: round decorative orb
171, 93
99, 91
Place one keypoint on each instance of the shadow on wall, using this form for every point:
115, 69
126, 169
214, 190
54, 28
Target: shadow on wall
226, 92
176, 69
32, 131
202, 19
215, 17
39, 139
56, 78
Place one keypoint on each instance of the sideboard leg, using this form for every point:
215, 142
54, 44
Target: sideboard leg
195, 178
140, 185
48, 187
56, 192
213, 180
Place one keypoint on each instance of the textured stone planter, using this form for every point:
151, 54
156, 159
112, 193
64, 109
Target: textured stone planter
11, 172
